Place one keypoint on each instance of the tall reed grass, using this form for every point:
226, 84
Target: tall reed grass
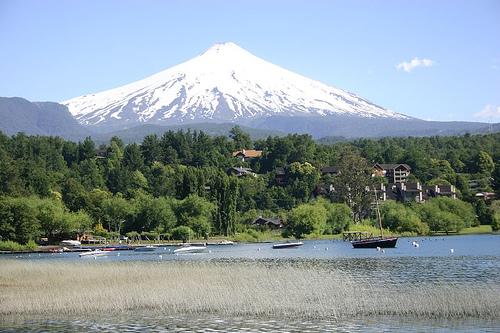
230, 289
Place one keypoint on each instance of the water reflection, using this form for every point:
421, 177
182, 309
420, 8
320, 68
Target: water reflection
144, 323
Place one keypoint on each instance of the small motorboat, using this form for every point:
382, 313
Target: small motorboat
190, 249
287, 245
148, 248
108, 249
95, 253
225, 242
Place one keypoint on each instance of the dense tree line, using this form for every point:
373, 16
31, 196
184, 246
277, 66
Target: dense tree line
177, 184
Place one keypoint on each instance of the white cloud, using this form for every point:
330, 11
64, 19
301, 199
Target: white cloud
414, 63
489, 112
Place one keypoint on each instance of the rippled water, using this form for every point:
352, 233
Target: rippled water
145, 323
475, 260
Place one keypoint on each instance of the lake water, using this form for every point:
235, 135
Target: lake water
475, 260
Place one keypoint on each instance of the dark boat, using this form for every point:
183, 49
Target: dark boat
287, 245
376, 242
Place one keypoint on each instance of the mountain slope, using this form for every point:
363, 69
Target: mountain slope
42, 118
137, 134
224, 84
356, 127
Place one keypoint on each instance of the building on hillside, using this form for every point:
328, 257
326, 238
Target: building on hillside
380, 190
329, 170
272, 223
432, 191
241, 172
280, 176
405, 192
486, 196
395, 173
247, 154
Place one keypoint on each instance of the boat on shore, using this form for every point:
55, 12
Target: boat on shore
190, 249
287, 245
71, 243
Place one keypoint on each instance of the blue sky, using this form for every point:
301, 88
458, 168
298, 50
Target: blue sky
56, 50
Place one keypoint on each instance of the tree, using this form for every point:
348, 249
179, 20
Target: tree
351, 183
241, 139
132, 157
52, 218
338, 216
306, 219
400, 218
303, 178
496, 180
74, 195
116, 210
150, 149
225, 190
446, 214
485, 164
183, 233
18, 220
86, 150
484, 213
195, 212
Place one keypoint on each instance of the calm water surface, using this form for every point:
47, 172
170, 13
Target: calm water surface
475, 260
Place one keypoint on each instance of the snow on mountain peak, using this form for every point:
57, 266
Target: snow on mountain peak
225, 83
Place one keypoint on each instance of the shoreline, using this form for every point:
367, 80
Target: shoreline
480, 230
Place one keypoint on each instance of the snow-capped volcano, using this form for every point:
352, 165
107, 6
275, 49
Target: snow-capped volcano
226, 83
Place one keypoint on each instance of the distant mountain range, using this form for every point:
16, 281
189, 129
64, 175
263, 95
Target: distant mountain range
38, 118
224, 86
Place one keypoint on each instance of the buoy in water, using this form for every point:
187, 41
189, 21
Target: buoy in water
378, 248
452, 250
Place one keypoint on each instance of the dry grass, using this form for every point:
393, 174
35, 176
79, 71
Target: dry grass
231, 289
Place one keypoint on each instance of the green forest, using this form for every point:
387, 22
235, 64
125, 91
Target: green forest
177, 186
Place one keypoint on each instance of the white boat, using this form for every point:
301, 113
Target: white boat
71, 243
95, 253
148, 248
287, 245
190, 249
225, 242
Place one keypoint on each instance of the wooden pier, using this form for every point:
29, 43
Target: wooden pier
356, 235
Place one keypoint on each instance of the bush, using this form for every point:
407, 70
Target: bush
14, 246
400, 218
306, 219
182, 233
495, 226
446, 214
338, 216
